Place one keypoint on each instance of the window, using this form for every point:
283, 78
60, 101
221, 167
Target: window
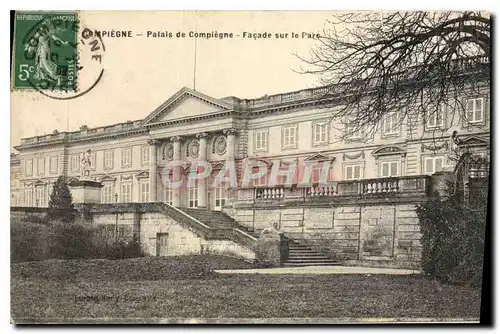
435, 119
320, 133
144, 155
144, 192
126, 193
433, 164
389, 168
261, 140
127, 157
75, 162
289, 136
28, 168
93, 160
28, 197
107, 194
352, 172
193, 195
168, 195
353, 130
317, 173
108, 159
261, 181
40, 196
53, 165
475, 110
390, 124
41, 166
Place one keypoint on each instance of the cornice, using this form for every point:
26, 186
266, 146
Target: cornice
68, 142
191, 119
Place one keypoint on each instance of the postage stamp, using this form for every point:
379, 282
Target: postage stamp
45, 51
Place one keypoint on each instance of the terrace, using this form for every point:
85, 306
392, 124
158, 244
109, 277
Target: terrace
402, 188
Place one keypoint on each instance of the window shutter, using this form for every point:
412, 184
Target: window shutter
479, 109
348, 172
385, 169
394, 169
429, 165
439, 165
357, 172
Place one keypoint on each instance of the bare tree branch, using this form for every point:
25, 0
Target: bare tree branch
413, 63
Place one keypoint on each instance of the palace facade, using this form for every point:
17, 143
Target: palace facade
129, 158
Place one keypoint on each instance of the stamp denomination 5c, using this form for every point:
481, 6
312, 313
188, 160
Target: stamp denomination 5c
45, 51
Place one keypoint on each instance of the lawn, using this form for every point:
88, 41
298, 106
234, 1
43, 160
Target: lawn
53, 290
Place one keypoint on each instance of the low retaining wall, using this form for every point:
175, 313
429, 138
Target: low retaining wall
160, 235
381, 235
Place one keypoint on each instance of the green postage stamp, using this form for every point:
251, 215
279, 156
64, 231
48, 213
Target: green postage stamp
45, 54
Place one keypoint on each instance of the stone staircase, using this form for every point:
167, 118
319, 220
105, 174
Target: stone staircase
217, 219
299, 254
302, 255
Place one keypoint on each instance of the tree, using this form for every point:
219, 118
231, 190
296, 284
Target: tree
412, 62
60, 203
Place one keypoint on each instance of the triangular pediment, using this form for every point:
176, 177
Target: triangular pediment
319, 157
474, 141
71, 180
108, 178
185, 104
39, 182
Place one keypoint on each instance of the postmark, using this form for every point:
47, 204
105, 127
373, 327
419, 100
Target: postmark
55, 55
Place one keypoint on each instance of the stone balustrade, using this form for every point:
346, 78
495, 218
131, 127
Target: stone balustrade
379, 187
117, 128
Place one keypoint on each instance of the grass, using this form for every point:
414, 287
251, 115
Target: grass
41, 296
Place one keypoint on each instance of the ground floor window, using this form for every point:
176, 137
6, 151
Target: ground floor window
126, 193
28, 197
389, 168
168, 194
352, 172
433, 164
193, 195
219, 196
40, 196
107, 194
144, 192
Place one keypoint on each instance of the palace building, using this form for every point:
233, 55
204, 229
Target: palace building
129, 158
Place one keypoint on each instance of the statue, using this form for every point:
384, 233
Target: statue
86, 163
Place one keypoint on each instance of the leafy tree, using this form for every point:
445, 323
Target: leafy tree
410, 62
60, 203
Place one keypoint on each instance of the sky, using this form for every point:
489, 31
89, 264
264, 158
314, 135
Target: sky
141, 72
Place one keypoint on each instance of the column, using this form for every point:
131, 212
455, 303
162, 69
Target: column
230, 134
153, 174
176, 192
202, 184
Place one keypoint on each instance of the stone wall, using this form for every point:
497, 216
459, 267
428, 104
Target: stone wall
372, 235
30, 214
160, 235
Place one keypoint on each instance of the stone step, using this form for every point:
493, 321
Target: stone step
310, 264
307, 257
310, 261
301, 250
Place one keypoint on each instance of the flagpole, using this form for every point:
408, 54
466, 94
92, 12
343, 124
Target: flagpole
195, 47
67, 116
